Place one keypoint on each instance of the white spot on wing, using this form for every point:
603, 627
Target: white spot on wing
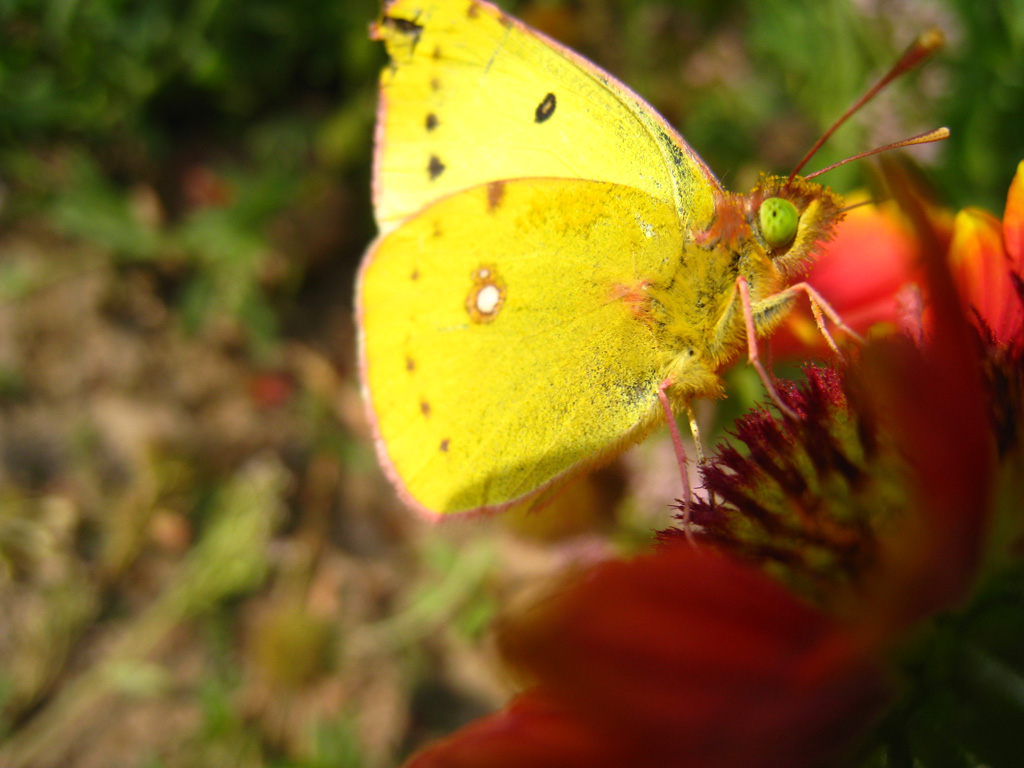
487, 299
486, 295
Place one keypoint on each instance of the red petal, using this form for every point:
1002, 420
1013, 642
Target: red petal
935, 404
870, 260
532, 731
696, 659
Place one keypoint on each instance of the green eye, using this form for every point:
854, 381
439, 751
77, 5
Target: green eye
779, 219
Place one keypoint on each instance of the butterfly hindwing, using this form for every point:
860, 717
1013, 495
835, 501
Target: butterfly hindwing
499, 346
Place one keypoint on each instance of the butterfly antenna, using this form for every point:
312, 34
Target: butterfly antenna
925, 45
925, 138
854, 206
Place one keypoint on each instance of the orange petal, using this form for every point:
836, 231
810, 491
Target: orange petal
981, 270
1013, 221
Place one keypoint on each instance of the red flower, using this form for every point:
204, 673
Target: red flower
697, 658
831, 544
683, 657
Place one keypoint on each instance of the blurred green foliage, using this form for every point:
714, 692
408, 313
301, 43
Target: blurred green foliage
179, 132
150, 70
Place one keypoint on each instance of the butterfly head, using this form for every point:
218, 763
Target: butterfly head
791, 220
781, 222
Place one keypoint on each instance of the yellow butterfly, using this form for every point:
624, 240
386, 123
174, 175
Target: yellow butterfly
556, 271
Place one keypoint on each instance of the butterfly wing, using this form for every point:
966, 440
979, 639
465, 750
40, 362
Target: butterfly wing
473, 96
499, 345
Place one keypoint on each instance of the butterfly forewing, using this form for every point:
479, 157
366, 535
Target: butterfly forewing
473, 96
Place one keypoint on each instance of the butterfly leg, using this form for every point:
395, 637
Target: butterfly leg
699, 445
695, 431
821, 309
677, 444
752, 352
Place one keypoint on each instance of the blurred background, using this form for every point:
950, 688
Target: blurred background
200, 562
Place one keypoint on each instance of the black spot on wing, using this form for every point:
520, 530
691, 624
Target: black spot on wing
444, 445
435, 167
406, 28
431, 121
424, 407
495, 194
545, 109
403, 26
410, 364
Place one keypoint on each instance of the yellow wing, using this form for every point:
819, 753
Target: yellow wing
472, 96
499, 347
